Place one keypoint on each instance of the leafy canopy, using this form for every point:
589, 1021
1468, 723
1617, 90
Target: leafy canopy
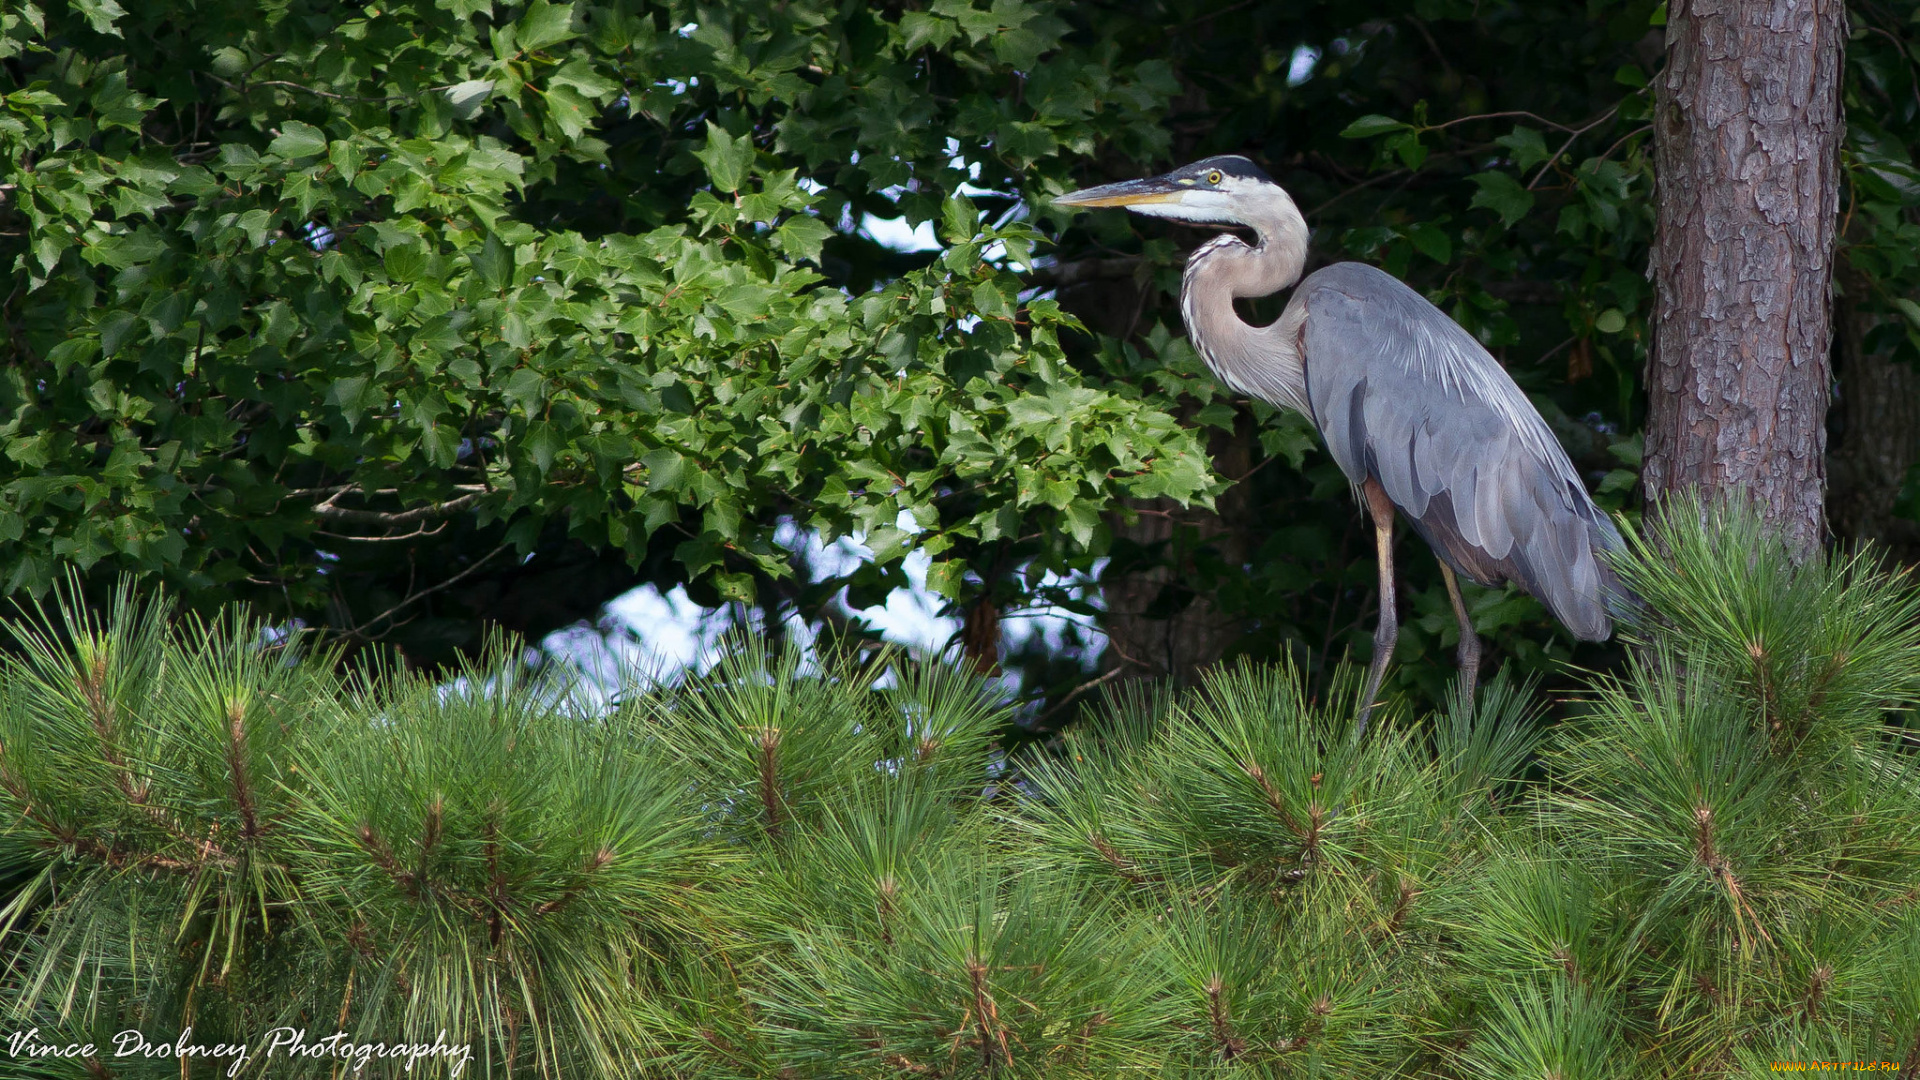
299, 277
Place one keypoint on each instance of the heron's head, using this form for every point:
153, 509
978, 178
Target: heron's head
1224, 190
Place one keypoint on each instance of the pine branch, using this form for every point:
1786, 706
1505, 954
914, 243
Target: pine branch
237, 769
768, 743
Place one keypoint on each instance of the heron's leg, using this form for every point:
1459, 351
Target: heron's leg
1469, 652
1380, 508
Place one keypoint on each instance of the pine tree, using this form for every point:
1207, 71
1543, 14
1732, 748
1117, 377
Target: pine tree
823, 865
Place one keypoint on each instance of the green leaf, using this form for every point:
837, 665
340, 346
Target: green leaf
405, 263
543, 444
493, 262
257, 223
469, 97
1502, 194
1408, 147
1616, 481
888, 543
544, 24
75, 352
735, 587
1432, 241
726, 158
959, 221
1081, 520
802, 237
1630, 452
580, 75
346, 157
1910, 309
1371, 125
573, 113
298, 140
917, 29
347, 395
1610, 321
101, 15
666, 470
1527, 147
116, 329
947, 577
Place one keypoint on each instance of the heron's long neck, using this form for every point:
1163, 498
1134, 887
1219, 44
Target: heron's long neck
1263, 361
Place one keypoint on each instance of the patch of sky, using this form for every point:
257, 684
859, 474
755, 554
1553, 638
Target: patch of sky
318, 236
648, 636
1300, 68
896, 234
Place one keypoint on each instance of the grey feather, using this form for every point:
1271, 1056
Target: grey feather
1404, 395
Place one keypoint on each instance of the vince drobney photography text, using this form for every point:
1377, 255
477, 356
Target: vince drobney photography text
290, 1043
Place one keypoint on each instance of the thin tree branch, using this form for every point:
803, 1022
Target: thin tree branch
399, 517
1080, 690
1503, 115
360, 631
1361, 186
242, 88
1066, 274
414, 535
1548, 167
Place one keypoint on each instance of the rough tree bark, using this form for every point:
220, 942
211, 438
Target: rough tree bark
1746, 132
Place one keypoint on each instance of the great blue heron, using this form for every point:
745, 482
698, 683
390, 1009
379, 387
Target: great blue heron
1413, 409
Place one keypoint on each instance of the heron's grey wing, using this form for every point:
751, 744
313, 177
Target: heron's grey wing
1404, 395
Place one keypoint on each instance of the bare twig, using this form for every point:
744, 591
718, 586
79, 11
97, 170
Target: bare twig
360, 631
1361, 186
1502, 116
1066, 274
1548, 167
414, 535
242, 88
1642, 130
419, 514
1090, 684
1211, 15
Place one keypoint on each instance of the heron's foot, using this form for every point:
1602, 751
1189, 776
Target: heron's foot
1376, 674
1469, 658
1469, 652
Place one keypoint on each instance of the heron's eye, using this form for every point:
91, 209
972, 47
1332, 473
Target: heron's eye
1213, 177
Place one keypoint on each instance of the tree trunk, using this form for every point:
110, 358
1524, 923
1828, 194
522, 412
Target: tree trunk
1161, 619
1746, 133
1875, 430
1161, 622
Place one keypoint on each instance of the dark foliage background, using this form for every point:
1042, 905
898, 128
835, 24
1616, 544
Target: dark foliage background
407, 318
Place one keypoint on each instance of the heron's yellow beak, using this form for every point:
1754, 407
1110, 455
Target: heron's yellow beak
1125, 193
